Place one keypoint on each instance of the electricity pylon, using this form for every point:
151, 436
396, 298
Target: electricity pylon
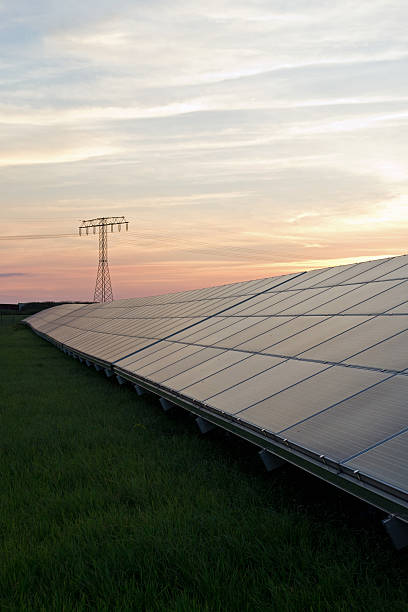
103, 287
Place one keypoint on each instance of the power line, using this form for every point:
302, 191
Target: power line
163, 241
36, 236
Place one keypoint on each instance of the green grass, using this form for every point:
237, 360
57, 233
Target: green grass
107, 503
9, 317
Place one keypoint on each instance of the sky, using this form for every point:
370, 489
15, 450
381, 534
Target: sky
241, 139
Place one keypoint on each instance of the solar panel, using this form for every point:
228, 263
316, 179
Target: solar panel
317, 331
383, 461
395, 349
240, 373
205, 369
312, 365
356, 423
367, 333
310, 397
255, 327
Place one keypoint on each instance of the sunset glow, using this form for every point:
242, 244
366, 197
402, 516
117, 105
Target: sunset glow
240, 139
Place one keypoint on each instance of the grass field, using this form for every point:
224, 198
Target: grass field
107, 503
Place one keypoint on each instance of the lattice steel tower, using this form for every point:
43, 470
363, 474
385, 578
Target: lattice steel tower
103, 287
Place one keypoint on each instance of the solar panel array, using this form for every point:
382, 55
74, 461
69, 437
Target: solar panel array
316, 360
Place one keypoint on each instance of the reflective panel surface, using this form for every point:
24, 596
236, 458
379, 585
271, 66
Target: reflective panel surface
317, 358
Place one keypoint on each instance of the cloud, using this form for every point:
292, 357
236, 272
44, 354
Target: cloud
11, 274
55, 157
241, 138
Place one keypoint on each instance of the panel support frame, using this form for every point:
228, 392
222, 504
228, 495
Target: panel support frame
204, 425
397, 531
270, 460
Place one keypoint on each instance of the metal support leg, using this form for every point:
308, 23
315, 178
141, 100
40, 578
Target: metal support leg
139, 390
88, 363
270, 461
397, 530
108, 372
165, 404
120, 380
204, 426
97, 367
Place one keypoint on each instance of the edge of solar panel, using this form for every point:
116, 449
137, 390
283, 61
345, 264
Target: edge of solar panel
355, 301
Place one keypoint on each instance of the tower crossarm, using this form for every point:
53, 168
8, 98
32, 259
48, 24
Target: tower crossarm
102, 221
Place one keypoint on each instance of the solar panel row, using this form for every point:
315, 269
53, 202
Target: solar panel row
316, 361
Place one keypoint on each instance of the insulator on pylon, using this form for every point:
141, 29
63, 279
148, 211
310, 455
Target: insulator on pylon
94, 230
119, 227
80, 233
87, 232
127, 226
112, 228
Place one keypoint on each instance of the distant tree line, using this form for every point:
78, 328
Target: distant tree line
28, 308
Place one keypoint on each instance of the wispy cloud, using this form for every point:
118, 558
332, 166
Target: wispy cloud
11, 274
56, 157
